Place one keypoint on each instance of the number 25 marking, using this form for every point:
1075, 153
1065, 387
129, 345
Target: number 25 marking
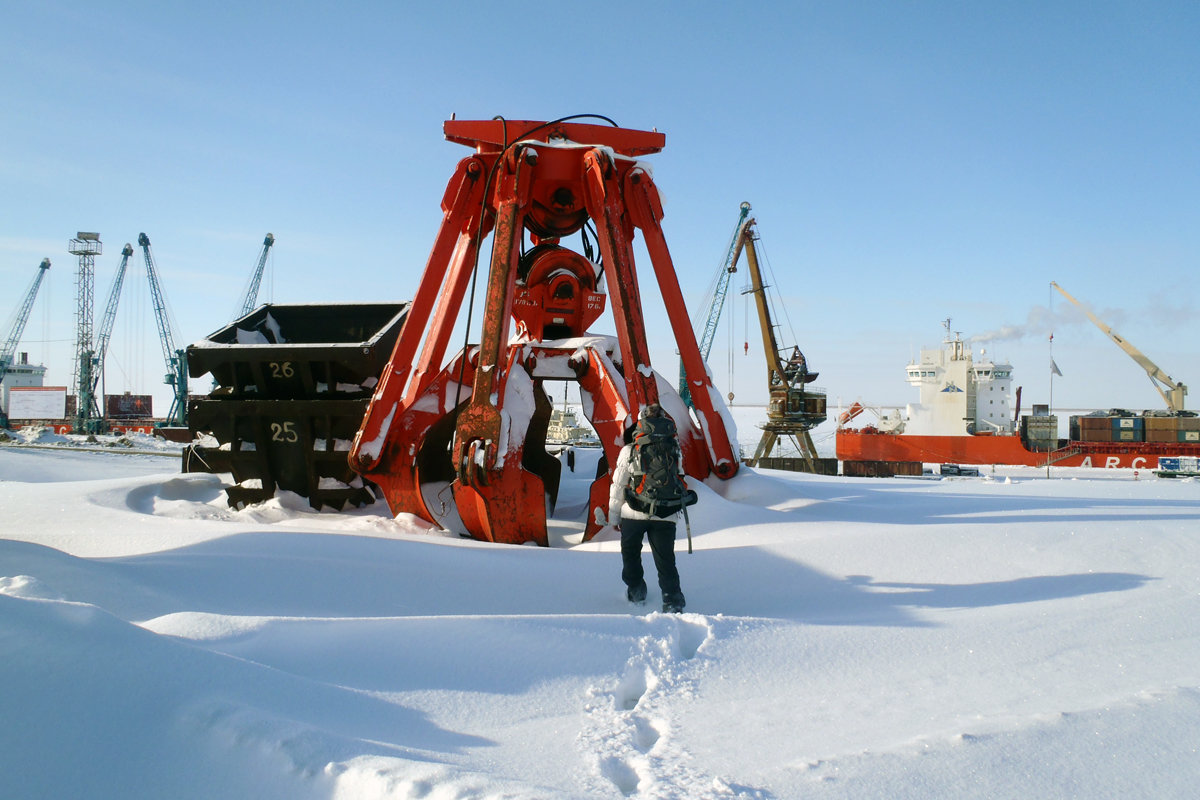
284, 432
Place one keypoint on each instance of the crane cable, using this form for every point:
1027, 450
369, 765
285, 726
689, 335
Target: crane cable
483, 207
271, 275
46, 322
775, 299
729, 348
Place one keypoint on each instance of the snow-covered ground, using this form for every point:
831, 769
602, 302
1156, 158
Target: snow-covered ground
1003, 636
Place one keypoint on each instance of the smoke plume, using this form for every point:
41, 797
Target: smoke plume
1043, 321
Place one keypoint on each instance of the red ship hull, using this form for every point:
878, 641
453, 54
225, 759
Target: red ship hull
870, 445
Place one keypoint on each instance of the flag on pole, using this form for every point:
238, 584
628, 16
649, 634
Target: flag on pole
1054, 368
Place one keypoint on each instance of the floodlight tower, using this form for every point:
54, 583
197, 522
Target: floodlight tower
87, 246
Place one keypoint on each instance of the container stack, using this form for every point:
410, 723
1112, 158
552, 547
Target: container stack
1040, 433
1092, 428
1122, 426
881, 469
817, 466
291, 386
1162, 429
1128, 429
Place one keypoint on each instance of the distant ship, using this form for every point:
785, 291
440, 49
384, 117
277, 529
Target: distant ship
564, 429
964, 417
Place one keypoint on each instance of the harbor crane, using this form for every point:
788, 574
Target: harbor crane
14, 336
175, 359
728, 267
1171, 390
793, 409
106, 322
251, 295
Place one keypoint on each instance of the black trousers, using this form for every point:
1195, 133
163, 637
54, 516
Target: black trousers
661, 533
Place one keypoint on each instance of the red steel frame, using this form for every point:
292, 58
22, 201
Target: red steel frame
460, 445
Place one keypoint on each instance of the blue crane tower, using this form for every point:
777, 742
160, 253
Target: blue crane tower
728, 267
14, 337
175, 359
251, 295
104, 336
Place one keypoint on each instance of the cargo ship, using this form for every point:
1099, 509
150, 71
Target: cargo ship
564, 429
964, 416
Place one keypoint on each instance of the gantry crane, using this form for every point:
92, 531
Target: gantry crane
251, 296
1171, 390
14, 336
728, 267
792, 408
175, 359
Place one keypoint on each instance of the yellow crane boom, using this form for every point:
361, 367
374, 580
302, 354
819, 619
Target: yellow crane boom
1172, 391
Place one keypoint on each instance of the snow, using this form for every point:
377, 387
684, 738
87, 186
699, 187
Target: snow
1010, 635
251, 337
370, 450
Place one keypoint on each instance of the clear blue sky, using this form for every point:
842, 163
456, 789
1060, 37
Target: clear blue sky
907, 162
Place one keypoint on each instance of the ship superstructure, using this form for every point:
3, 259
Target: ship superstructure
564, 429
958, 395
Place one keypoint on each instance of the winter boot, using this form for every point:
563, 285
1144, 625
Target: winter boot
636, 594
673, 604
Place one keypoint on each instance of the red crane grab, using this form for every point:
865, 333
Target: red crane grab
464, 445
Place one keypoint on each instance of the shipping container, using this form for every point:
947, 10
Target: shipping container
128, 406
1040, 429
1096, 434
1185, 464
820, 466
881, 469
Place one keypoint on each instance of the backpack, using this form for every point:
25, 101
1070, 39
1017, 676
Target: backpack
655, 486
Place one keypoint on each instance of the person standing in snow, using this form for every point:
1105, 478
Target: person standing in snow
647, 495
